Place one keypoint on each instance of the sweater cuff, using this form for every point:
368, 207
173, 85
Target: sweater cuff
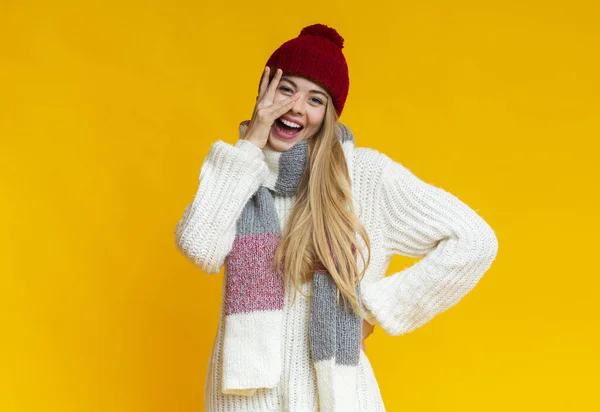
253, 150
392, 309
371, 299
366, 313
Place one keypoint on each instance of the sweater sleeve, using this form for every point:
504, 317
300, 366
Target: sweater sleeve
229, 176
421, 220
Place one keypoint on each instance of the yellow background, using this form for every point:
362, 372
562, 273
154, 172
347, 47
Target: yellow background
107, 111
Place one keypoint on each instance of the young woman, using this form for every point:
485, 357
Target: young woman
293, 206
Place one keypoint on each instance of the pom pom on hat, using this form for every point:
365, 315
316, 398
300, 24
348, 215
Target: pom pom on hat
315, 54
325, 32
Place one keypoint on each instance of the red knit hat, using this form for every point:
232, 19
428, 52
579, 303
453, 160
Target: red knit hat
315, 54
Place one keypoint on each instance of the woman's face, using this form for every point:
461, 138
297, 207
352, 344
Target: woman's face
308, 112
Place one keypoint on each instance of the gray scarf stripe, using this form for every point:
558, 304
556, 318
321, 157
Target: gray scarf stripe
332, 329
259, 214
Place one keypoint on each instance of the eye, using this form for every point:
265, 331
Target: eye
285, 89
318, 101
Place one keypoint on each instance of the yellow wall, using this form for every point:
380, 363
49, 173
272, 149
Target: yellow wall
107, 111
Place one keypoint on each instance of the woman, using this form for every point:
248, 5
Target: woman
293, 206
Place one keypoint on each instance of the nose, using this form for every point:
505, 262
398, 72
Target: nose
300, 106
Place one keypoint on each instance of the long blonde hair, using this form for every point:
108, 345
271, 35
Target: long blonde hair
322, 225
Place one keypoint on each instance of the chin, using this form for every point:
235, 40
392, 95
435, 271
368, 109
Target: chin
282, 145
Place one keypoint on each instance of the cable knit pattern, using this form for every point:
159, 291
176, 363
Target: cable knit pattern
402, 215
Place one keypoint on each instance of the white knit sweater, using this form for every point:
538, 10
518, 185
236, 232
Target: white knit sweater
402, 215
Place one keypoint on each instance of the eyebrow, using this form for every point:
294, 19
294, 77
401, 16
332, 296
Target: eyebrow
310, 91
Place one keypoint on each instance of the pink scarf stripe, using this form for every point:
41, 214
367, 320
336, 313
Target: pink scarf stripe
252, 284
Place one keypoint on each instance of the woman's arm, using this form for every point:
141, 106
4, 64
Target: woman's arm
229, 176
419, 219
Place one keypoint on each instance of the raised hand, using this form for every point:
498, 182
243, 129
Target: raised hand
265, 111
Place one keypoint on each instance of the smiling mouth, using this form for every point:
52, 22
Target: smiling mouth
287, 131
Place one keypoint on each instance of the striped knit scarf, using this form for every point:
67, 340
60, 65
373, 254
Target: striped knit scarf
254, 298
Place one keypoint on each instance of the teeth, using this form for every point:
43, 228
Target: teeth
290, 124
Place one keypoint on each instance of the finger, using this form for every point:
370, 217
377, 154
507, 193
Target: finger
264, 83
279, 103
274, 83
275, 111
281, 107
